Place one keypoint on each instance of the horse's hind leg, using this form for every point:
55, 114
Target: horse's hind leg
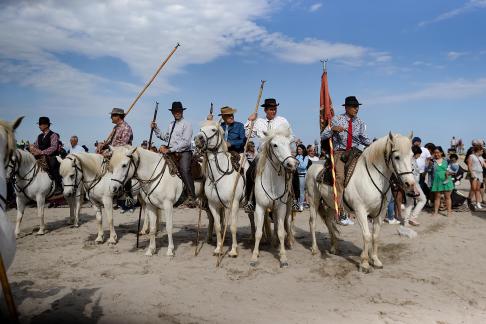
331, 226
374, 253
259, 213
40, 212
313, 208
251, 217
20, 214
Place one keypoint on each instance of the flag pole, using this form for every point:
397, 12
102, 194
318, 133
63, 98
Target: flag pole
326, 103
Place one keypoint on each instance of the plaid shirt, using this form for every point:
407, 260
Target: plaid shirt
123, 135
340, 139
53, 147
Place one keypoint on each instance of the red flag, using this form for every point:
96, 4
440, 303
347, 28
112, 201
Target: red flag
326, 112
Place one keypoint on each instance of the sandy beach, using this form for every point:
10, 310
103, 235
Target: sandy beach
64, 276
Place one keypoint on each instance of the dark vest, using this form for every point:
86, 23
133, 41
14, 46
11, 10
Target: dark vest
44, 142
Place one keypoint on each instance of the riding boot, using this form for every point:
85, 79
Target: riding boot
250, 186
186, 175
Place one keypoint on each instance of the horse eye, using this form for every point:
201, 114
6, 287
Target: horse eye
214, 130
275, 145
397, 158
72, 176
124, 165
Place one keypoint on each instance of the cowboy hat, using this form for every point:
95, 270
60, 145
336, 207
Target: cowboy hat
177, 106
44, 121
117, 111
270, 102
227, 110
351, 101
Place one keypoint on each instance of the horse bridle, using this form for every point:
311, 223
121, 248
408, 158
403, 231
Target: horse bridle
76, 170
125, 178
15, 174
281, 165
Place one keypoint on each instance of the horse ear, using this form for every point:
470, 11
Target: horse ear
110, 147
58, 158
410, 135
390, 136
17, 122
131, 151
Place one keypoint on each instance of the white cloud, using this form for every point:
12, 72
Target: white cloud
468, 6
452, 56
315, 7
451, 90
140, 34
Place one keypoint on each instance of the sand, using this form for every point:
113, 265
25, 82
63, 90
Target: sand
64, 276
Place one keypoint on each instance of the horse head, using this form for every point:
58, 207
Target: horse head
7, 137
13, 165
398, 158
277, 147
210, 137
71, 173
123, 165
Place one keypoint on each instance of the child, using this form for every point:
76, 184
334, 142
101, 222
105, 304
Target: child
420, 198
475, 163
452, 168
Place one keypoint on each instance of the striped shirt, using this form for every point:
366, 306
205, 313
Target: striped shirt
359, 135
123, 135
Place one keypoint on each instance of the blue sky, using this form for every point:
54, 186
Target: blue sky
415, 65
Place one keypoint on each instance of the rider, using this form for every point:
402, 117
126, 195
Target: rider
179, 138
347, 131
234, 132
47, 146
271, 121
121, 135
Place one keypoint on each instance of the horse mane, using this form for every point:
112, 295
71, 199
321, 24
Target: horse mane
271, 134
90, 162
376, 151
26, 156
11, 145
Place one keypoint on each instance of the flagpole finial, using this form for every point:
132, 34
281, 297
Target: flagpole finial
324, 64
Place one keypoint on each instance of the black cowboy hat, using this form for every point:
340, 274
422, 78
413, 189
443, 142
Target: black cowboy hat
351, 101
177, 106
270, 102
44, 121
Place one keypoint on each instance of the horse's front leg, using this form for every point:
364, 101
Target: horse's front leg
20, 214
99, 222
279, 217
70, 201
168, 212
217, 214
40, 199
209, 234
362, 218
145, 227
234, 228
152, 215
259, 214
313, 209
374, 253
251, 217
108, 204
77, 207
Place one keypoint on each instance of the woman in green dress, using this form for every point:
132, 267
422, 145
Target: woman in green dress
441, 184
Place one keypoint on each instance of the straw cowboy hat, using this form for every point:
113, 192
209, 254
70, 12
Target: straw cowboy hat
227, 110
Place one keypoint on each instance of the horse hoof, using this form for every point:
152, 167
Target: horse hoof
112, 241
233, 255
99, 240
76, 225
365, 269
170, 253
284, 264
149, 253
40, 232
314, 251
253, 263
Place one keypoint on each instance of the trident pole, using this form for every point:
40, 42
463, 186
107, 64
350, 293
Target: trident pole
252, 123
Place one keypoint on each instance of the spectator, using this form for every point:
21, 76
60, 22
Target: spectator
476, 163
420, 199
311, 153
304, 163
144, 144
439, 170
453, 167
75, 148
85, 148
422, 163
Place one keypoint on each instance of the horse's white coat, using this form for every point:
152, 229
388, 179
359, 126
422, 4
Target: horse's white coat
361, 194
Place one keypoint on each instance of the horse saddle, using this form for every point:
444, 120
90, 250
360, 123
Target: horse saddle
235, 160
350, 159
43, 164
173, 163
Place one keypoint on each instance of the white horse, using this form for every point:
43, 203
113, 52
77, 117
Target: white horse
90, 171
220, 180
159, 189
7, 147
30, 183
273, 187
365, 194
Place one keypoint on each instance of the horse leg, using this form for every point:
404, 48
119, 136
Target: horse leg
99, 223
289, 227
71, 202
108, 204
275, 239
168, 212
234, 227
362, 218
279, 217
313, 209
145, 227
267, 227
152, 215
331, 227
77, 208
216, 214
20, 214
251, 217
209, 234
374, 253
40, 212
260, 214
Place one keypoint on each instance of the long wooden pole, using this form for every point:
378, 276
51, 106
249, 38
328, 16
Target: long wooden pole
242, 158
7, 293
146, 86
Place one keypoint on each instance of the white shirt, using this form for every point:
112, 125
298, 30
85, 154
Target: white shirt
263, 124
314, 158
77, 149
422, 159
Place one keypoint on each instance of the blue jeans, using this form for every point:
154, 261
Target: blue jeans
390, 213
302, 189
